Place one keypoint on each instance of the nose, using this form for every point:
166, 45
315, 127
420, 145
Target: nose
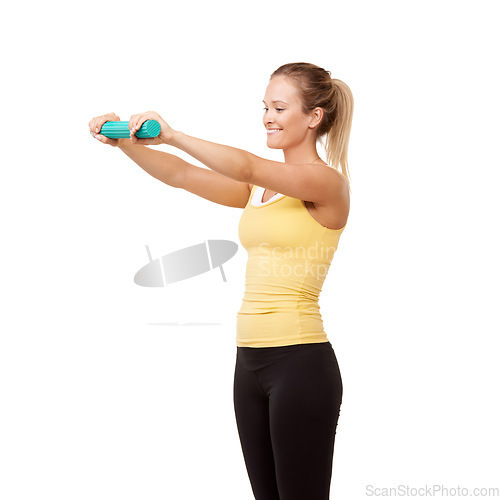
268, 117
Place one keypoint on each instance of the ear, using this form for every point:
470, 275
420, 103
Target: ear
316, 117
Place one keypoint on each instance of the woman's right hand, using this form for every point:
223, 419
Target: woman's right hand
95, 127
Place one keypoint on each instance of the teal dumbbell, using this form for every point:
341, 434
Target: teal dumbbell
120, 130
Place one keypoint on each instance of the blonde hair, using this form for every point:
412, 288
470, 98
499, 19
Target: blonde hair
318, 89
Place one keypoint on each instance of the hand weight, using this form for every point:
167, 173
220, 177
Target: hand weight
120, 129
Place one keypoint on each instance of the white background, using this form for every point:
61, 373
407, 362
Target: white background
99, 403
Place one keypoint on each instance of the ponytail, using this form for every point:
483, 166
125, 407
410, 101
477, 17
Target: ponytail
337, 138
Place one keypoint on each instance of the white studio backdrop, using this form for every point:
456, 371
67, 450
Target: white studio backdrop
105, 392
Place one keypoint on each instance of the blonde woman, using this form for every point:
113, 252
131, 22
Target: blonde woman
287, 382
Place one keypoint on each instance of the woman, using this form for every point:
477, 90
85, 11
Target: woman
287, 382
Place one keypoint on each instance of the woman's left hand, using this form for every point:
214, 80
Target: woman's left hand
136, 122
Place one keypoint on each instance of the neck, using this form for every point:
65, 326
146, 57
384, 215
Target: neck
302, 154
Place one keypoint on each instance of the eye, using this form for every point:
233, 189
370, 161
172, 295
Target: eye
279, 109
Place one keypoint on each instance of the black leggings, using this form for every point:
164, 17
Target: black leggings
287, 403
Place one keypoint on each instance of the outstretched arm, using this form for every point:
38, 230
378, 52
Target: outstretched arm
317, 183
226, 160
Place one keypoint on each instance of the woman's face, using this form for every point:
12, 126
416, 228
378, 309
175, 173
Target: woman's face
286, 124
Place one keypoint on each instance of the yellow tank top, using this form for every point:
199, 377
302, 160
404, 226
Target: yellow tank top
289, 255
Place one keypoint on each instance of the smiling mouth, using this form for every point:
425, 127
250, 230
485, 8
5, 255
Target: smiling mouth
273, 131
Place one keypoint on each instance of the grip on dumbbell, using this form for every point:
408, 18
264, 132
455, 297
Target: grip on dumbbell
120, 130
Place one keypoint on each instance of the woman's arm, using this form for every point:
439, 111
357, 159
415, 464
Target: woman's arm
178, 173
226, 160
162, 166
317, 183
